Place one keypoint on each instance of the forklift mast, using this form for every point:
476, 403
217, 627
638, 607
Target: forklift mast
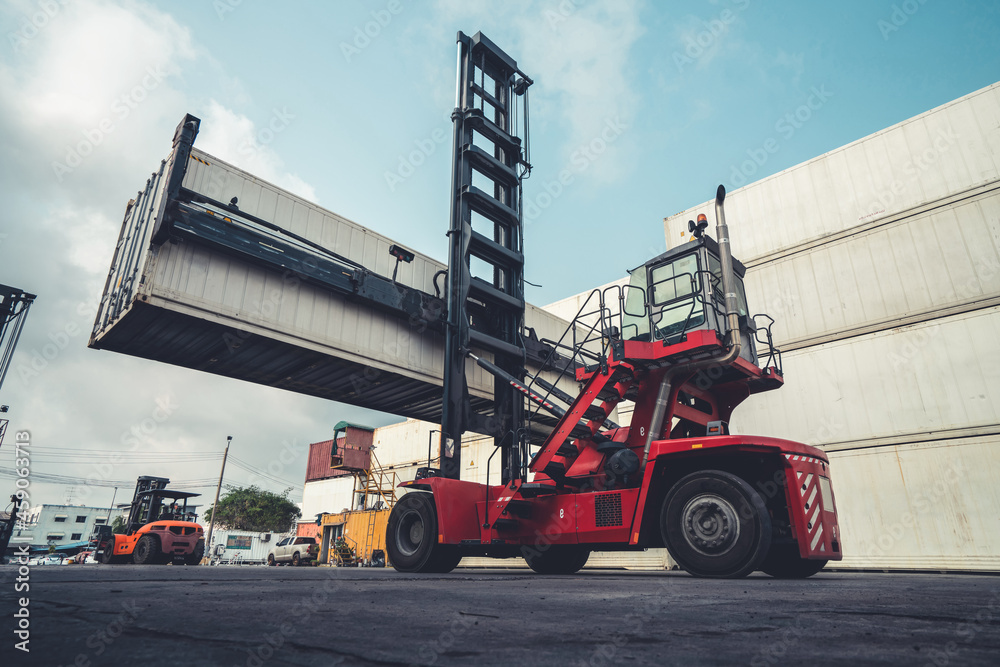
145, 505
485, 293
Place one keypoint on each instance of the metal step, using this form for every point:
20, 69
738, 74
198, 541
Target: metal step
505, 524
492, 252
480, 289
534, 489
491, 166
490, 207
519, 508
568, 450
493, 132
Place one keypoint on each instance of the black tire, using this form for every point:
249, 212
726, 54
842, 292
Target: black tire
715, 525
411, 537
194, 558
296, 561
784, 562
106, 556
270, 560
446, 558
557, 559
147, 551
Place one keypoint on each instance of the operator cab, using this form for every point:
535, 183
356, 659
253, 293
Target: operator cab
681, 291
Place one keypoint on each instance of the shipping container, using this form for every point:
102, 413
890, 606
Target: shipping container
224, 300
934, 159
362, 532
353, 453
240, 547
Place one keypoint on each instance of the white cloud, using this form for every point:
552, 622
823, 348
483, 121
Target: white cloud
66, 90
236, 139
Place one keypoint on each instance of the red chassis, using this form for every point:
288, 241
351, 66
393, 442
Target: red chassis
682, 346
724, 505
619, 519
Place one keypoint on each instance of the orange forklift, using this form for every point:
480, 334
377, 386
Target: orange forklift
159, 530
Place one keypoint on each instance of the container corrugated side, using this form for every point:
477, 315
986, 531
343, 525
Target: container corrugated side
196, 307
940, 154
930, 505
946, 258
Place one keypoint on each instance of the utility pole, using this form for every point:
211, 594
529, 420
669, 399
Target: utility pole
215, 506
112, 508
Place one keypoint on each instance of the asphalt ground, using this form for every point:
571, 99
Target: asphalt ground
253, 616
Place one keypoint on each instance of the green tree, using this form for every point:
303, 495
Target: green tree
251, 508
118, 525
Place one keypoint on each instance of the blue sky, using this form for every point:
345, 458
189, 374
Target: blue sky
297, 92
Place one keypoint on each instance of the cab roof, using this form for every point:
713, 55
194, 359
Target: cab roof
683, 249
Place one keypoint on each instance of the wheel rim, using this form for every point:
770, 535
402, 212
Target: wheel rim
409, 533
711, 525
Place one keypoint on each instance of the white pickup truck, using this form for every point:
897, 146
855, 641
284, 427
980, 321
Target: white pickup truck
294, 550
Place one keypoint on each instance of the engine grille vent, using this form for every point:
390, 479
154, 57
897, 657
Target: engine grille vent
608, 510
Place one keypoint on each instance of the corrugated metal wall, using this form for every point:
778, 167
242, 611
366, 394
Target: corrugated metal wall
880, 262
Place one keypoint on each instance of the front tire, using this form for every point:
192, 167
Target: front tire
715, 525
270, 560
558, 559
784, 562
147, 551
106, 556
411, 537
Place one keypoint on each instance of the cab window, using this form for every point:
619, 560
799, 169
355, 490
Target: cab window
675, 301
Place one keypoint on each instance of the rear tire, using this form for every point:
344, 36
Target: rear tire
147, 551
558, 559
295, 559
715, 525
411, 537
194, 558
784, 562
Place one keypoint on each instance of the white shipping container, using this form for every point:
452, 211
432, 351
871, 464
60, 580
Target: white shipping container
240, 547
939, 156
938, 376
191, 304
926, 505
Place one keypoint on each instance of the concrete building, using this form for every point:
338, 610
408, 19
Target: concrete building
64, 527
